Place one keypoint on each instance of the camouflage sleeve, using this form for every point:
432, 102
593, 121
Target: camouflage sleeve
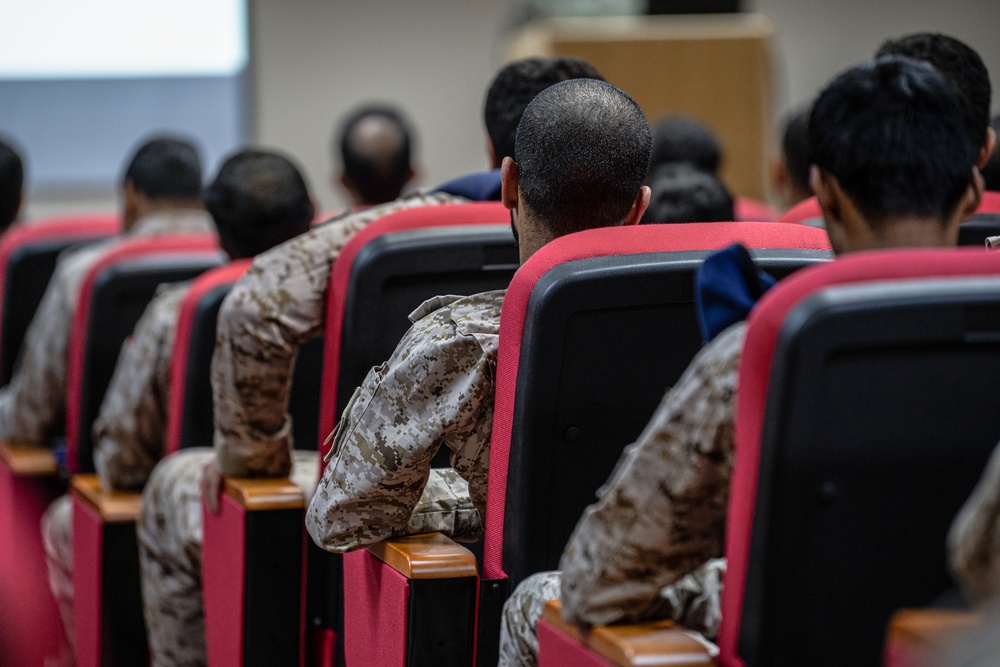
662, 513
279, 304
435, 390
974, 539
34, 402
129, 431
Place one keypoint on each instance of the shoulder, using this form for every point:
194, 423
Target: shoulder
478, 314
166, 303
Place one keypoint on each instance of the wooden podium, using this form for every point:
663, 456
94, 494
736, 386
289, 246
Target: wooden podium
716, 67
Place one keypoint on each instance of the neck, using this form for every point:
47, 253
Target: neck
915, 233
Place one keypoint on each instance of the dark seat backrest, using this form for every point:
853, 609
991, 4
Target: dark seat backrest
389, 269
867, 391
977, 229
113, 295
607, 324
190, 415
28, 254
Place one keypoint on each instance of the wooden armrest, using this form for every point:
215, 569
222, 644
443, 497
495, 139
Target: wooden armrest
112, 506
427, 556
930, 629
28, 460
257, 494
652, 644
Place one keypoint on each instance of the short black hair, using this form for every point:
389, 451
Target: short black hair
795, 147
11, 183
682, 193
685, 139
166, 168
991, 171
891, 133
961, 66
378, 172
258, 200
516, 85
582, 154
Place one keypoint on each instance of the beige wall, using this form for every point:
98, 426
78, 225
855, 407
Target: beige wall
314, 59
815, 39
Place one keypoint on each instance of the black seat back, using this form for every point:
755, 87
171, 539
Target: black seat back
120, 295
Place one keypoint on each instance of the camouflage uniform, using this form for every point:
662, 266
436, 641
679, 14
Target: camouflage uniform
279, 304
34, 402
436, 389
974, 539
169, 532
648, 548
128, 433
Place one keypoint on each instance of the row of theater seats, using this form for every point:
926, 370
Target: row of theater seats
595, 327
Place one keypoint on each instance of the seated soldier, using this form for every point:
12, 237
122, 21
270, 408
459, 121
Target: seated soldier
162, 195
375, 144
278, 305
963, 68
891, 168
11, 185
681, 193
257, 201
580, 161
790, 171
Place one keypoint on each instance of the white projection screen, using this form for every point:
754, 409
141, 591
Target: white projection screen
82, 81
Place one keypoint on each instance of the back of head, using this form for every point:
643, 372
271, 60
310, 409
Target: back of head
890, 132
582, 155
11, 184
166, 169
681, 193
961, 66
991, 170
258, 200
795, 148
685, 139
516, 85
375, 146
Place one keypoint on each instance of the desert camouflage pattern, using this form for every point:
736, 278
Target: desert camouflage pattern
169, 532
974, 538
436, 390
662, 513
279, 304
57, 538
34, 402
129, 431
693, 602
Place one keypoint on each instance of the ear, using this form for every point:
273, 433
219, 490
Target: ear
412, 174
972, 197
826, 193
988, 147
509, 180
130, 205
491, 151
638, 206
313, 208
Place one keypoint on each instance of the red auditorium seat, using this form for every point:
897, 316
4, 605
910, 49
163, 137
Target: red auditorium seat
381, 275
28, 253
612, 325
859, 433
753, 210
113, 295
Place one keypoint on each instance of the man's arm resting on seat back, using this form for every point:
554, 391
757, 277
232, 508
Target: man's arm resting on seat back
129, 431
662, 513
35, 400
974, 539
436, 389
279, 304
